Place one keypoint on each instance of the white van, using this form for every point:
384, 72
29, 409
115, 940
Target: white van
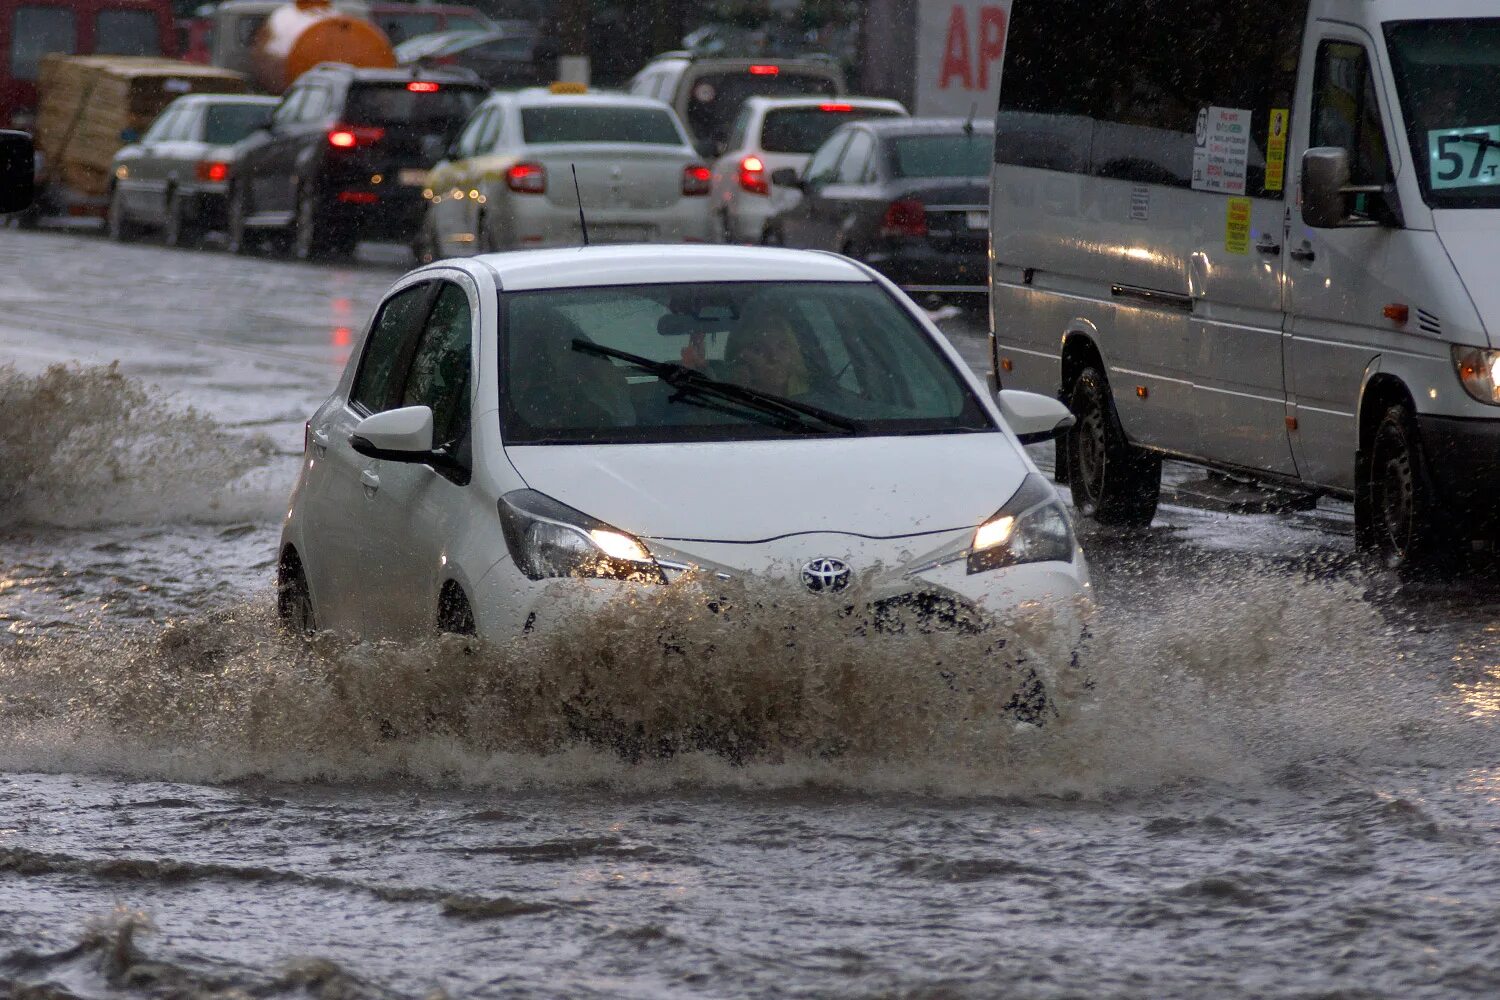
1263, 237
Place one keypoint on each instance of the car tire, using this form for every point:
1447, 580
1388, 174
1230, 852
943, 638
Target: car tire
313, 236
294, 606
1403, 529
177, 229
1113, 481
120, 228
241, 238
455, 615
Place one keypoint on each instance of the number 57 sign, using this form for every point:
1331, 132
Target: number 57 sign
1463, 157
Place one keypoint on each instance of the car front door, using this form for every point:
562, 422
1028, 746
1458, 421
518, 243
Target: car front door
339, 540
263, 152
796, 218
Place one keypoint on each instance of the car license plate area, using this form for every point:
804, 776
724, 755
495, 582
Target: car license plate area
412, 177
978, 220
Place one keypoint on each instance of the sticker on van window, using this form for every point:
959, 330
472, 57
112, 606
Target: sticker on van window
1221, 155
1237, 226
1463, 157
1276, 148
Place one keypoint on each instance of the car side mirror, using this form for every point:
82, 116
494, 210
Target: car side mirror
1326, 194
17, 171
1033, 417
787, 177
129, 135
403, 435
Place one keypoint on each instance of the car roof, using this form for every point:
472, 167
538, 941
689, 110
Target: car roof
661, 264
924, 126
400, 74
760, 101
531, 97
227, 99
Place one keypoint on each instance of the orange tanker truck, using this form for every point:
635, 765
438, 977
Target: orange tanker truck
274, 43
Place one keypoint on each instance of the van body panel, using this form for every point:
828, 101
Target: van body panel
1472, 241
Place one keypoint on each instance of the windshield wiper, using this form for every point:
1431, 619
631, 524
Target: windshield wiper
690, 381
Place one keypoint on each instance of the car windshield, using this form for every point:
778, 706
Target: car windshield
1448, 78
802, 130
227, 124
398, 104
723, 361
957, 155
716, 98
599, 123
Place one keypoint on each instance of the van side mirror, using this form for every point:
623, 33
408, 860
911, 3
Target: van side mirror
1326, 194
786, 177
17, 171
1033, 417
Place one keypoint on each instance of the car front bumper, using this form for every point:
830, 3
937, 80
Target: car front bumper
1463, 458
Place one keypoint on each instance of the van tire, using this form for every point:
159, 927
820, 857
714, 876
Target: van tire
1403, 529
1113, 481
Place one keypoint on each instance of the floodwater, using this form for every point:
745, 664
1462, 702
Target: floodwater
1281, 780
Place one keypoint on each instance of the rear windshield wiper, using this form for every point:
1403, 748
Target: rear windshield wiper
691, 381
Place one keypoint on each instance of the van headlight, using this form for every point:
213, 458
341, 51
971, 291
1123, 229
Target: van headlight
1033, 527
1479, 371
549, 540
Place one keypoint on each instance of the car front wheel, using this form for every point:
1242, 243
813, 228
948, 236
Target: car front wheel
1403, 527
121, 229
179, 230
1113, 481
314, 237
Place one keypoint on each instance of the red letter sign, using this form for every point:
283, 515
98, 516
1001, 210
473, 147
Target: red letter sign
956, 52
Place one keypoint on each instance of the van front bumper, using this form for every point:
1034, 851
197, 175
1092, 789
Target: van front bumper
1463, 458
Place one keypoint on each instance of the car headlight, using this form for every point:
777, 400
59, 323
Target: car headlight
1479, 371
548, 539
1033, 527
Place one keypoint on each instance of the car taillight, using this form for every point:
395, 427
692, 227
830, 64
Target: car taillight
527, 178
764, 70
352, 136
423, 87
212, 171
836, 107
905, 218
753, 175
697, 180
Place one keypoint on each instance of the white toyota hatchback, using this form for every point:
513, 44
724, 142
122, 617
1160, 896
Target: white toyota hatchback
619, 416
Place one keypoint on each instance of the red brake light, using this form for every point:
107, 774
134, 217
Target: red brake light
905, 218
836, 107
753, 175
697, 180
527, 178
423, 87
764, 70
212, 171
351, 136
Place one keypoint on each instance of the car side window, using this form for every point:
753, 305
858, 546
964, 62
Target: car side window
185, 126
469, 140
823, 167
489, 141
737, 132
290, 107
856, 158
1346, 112
162, 126
440, 368
377, 386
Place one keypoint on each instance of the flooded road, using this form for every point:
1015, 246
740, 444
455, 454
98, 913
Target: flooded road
1284, 782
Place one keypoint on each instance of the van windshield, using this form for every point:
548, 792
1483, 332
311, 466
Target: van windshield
1448, 79
647, 364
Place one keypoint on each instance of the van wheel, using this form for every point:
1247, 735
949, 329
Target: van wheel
1402, 528
455, 616
1113, 481
294, 605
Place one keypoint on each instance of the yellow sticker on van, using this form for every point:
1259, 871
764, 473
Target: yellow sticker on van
1237, 226
1276, 148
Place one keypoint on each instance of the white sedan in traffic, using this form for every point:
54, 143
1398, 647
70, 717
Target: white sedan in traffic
527, 161
616, 417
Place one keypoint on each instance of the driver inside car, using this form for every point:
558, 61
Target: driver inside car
765, 353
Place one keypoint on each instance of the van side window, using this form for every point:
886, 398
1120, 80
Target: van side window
1346, 112
1116, 88
377, 386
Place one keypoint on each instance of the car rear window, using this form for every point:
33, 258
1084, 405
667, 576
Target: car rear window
959, 155
580, 123
715, 99
398, 104
802, 130
227, 124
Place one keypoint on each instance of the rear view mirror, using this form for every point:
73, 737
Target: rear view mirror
786, 177
1033, 417
1325, 175
403, 435
17, 171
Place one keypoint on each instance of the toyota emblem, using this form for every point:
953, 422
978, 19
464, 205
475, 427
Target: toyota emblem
826, 576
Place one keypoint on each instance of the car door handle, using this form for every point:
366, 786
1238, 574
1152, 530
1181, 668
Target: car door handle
320, 439
1303, 254
1268, 246
370, 480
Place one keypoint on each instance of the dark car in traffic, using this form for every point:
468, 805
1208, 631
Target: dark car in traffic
174, 178
345, 158
910, 197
